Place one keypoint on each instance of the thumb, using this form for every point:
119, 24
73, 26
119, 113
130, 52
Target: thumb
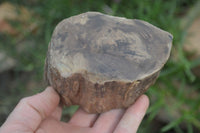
30, 111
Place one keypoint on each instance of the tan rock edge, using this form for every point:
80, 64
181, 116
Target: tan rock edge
101, 62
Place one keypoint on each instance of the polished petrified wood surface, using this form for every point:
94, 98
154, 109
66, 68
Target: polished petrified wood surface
101, 62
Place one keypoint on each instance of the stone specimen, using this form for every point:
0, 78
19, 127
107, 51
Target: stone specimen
102, 62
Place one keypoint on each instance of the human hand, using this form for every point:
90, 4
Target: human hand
41, 114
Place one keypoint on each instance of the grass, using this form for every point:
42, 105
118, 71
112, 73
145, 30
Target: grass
174, 97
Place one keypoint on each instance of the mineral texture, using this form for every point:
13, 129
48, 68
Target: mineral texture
102, 62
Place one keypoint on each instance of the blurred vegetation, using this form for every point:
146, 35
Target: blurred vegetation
175, 100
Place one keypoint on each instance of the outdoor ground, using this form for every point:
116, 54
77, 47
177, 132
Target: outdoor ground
25, 31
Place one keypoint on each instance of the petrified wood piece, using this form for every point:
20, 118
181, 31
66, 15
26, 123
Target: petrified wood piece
101, 62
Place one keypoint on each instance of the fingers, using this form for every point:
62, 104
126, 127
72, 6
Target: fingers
107, 121
83, 119
30, 111
50, 125
133, 116
110, 121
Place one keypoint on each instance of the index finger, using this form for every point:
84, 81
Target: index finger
133, 116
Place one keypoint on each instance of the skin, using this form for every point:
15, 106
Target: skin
40, 113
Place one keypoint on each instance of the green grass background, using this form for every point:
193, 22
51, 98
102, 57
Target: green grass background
175, 96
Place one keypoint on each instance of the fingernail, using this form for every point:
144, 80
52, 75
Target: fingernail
49, 89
